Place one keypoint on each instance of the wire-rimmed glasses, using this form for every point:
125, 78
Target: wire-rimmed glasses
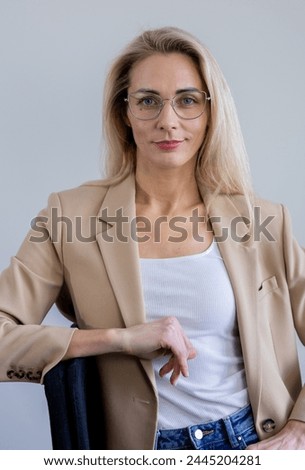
187, 104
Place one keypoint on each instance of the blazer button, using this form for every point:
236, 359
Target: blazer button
268, 425
10, 373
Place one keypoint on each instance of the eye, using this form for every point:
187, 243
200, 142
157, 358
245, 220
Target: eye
148, 101
188, 100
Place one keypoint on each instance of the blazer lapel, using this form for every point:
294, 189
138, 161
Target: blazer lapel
229, 218
121, 257
120, 251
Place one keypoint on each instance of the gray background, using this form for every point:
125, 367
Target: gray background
53, 58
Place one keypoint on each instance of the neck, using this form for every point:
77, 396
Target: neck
167, 191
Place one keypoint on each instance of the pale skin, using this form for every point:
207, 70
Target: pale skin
166, 186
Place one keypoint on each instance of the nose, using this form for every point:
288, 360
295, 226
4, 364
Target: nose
167, 118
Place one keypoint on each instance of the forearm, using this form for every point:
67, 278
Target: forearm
145, 341
94, 342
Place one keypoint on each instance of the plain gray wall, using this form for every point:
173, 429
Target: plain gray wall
53, 58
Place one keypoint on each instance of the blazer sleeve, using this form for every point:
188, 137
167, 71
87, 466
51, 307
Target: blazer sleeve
295, 274
28, 289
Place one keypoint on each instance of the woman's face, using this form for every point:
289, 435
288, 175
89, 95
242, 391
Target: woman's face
168, 141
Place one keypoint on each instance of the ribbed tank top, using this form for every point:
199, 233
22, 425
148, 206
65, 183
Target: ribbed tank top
197, 290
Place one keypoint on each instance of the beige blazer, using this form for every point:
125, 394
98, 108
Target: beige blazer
81, 254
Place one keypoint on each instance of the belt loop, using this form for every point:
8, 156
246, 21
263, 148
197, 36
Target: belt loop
234, 441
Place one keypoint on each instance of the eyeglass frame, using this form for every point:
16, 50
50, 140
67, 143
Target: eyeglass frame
162, 104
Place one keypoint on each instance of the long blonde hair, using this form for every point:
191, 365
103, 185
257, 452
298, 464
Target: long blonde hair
222, 163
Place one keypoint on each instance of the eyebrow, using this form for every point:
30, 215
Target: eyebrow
155, 92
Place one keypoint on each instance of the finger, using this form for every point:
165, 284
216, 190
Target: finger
171, 366
184, 357
175, 375
192, 353
253, 447
263, 445
182, 351
180, 363
167, 367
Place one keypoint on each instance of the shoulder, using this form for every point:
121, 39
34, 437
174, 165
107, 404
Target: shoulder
86, 197
261, 216
264, 211
265, 204
90, 197
237, 205
97, 186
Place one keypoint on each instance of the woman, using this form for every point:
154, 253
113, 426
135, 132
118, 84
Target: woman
184, 285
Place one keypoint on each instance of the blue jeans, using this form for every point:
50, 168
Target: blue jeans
234, 432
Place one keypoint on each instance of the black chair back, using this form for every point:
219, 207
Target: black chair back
74, 402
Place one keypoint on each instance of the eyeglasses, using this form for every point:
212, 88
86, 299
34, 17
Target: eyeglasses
189, 104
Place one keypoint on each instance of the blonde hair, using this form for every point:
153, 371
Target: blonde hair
222, 163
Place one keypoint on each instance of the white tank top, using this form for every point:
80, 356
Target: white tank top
196, 289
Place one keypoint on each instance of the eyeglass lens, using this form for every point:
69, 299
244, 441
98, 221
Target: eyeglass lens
187, 105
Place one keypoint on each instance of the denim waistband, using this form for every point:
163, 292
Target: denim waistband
232, 428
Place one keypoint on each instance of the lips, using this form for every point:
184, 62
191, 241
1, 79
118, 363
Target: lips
168, 144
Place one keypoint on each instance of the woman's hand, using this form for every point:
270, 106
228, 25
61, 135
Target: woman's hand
160, 337
291, 437
146, 341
